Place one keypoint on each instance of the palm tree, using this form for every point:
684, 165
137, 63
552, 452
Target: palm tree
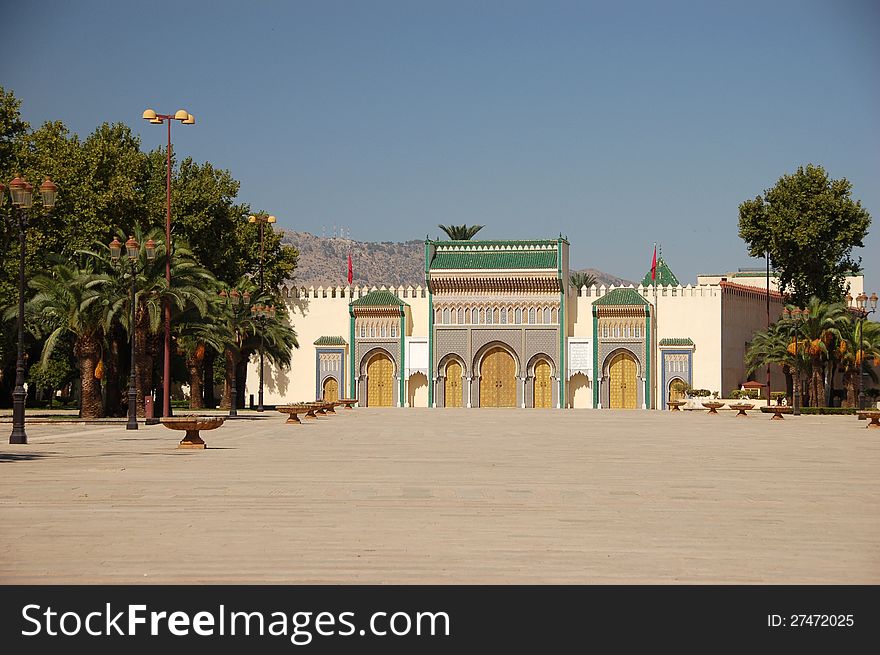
241, 335
191, 287
461, 232
818, 329
776, 346
581, 279
196, 335
70, 300
851, 357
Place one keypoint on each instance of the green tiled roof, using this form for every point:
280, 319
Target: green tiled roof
331, 341
625, 296
471, 255
676, 342
664, 276
380, 298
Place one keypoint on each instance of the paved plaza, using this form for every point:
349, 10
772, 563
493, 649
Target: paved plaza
447, 496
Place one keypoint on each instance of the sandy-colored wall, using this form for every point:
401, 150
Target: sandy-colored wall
315, 313
695, 313
742, 315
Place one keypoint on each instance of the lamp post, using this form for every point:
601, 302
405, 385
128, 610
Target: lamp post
22, 200
796, 315
261, 313
239, 304
261, 220
132, 251
157, 119
860, 309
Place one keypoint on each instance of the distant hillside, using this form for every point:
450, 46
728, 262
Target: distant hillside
323, 261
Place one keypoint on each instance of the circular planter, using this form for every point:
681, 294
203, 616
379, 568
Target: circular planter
192, 425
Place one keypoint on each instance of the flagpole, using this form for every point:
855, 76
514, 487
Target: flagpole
656, 322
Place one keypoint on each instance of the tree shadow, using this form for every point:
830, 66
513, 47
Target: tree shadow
21, 457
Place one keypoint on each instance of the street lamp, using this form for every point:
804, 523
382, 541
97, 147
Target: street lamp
22, 199
239, 304
132, 251
861, 311
797, 316
261, 220
261, 313
157, 119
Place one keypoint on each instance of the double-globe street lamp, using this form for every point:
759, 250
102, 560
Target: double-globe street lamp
261, 313
157, 119
239, 305
859, 307
132, 252
797, 316
22, 200
261, 220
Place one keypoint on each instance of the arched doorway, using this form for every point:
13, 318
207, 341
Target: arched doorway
676, 389
622, 381
331, 390
543, 390
380, 389
452, 385
497, 379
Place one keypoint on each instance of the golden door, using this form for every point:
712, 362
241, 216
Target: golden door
379, 382
543, 393
622, 382
331, 390
452, 387
498, 379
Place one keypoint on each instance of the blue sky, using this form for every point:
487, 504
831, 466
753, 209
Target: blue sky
617, 124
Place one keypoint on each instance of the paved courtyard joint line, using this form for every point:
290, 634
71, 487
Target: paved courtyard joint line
447, 496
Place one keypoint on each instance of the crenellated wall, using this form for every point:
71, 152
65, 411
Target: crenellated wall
682, 312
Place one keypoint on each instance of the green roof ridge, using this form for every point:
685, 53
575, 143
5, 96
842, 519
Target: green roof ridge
330, 341
622, 296
676, 341
379, 298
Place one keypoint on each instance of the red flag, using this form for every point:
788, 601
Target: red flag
654, 264
349, 269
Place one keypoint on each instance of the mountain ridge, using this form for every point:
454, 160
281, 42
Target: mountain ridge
323, 261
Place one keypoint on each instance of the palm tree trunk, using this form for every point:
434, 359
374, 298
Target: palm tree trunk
194, 365
830, 371
226, 401
208, 380
241, 380
143, 368
849, 383
818, 384
87, 354
112, 380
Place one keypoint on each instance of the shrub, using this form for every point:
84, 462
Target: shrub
736, 394
825, 411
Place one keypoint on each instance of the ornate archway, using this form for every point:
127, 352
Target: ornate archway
622, 381
452, 393
330, 390
497, 378
380, 381
543, 389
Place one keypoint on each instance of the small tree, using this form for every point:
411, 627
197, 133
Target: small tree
580, 279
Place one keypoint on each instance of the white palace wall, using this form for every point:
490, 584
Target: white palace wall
693, 312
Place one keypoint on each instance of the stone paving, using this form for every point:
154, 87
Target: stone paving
447, 496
